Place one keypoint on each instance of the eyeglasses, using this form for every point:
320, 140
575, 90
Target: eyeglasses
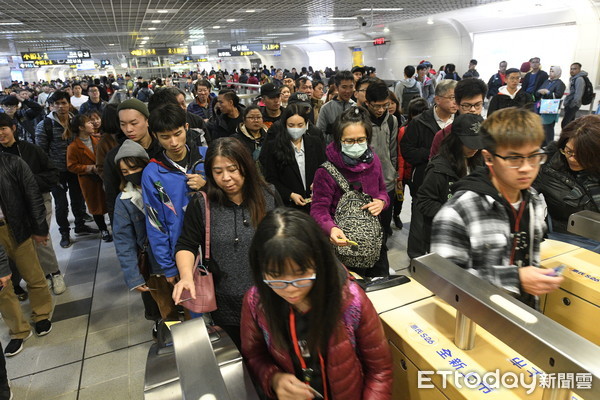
468, 107
517, 161
567, 153
255, 118
359, 140
379, 106
298, 283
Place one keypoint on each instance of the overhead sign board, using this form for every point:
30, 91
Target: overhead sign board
104, 63
56, 55
254, 47
160, 51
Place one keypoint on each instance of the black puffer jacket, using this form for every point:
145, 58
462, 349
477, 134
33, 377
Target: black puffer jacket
566, 192
44, 171
20, 199
433, 193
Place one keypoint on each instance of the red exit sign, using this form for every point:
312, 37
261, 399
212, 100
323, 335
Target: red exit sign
378, 41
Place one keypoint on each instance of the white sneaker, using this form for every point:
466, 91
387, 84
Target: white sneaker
49, 283
58, 284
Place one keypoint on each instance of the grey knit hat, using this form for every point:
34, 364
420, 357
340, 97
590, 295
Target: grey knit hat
129, 148
134, 104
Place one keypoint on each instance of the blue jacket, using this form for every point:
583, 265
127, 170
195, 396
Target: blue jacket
129, 233
166, 196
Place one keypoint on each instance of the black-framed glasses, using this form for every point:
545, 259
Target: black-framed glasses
517, 161
298, 283
359, 140
567, 153
379, 106
468, 107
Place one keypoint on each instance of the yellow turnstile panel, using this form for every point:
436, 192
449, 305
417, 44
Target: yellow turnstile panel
576, 305
424, 333
552, 248
398, 296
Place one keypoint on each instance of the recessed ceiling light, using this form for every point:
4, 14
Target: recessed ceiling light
250, 11
231, 20
429, 21
162, 11
156, 21
143, 42
386, 29
216, 26
146, 38
151, 29
381, 9
111, 44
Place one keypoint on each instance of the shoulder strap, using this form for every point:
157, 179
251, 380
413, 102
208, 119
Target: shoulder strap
49, 129
390, 122
198, 261
206, 226
337, 176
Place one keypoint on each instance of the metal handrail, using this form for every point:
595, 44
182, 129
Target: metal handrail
194, 355
242, 85
585, 223
543, 341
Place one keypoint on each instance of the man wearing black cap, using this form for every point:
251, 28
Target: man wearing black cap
456, 158
358, 73
272, 109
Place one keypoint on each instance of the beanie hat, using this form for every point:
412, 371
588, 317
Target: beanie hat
129, 148
134, 104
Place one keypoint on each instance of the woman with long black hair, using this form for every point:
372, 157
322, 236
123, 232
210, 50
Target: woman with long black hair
238, 199
291, 159
306, 327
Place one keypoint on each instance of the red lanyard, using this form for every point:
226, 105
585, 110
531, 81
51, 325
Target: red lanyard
306, 371
517, 220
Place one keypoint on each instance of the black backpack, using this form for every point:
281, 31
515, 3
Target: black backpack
358, 225
143, 95
408, 94
588, 92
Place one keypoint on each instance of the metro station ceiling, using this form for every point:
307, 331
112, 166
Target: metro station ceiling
114, 27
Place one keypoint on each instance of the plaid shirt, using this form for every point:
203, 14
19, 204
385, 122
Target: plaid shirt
473, 231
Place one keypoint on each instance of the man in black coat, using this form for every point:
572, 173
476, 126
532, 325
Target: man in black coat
46, 176
22, 222
416, 143
533, 79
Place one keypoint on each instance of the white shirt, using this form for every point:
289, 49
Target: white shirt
77, 102
300, 160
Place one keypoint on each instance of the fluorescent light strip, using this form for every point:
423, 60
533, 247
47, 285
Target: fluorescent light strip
341, 18
381, 9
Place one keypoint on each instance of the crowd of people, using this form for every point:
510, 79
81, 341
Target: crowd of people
299, 187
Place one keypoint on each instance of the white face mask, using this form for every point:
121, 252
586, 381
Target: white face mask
296, 133
354, 150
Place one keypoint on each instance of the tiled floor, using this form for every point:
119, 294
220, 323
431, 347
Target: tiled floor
99, 341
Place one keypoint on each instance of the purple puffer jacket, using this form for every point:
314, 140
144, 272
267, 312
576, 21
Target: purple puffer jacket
326, 193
